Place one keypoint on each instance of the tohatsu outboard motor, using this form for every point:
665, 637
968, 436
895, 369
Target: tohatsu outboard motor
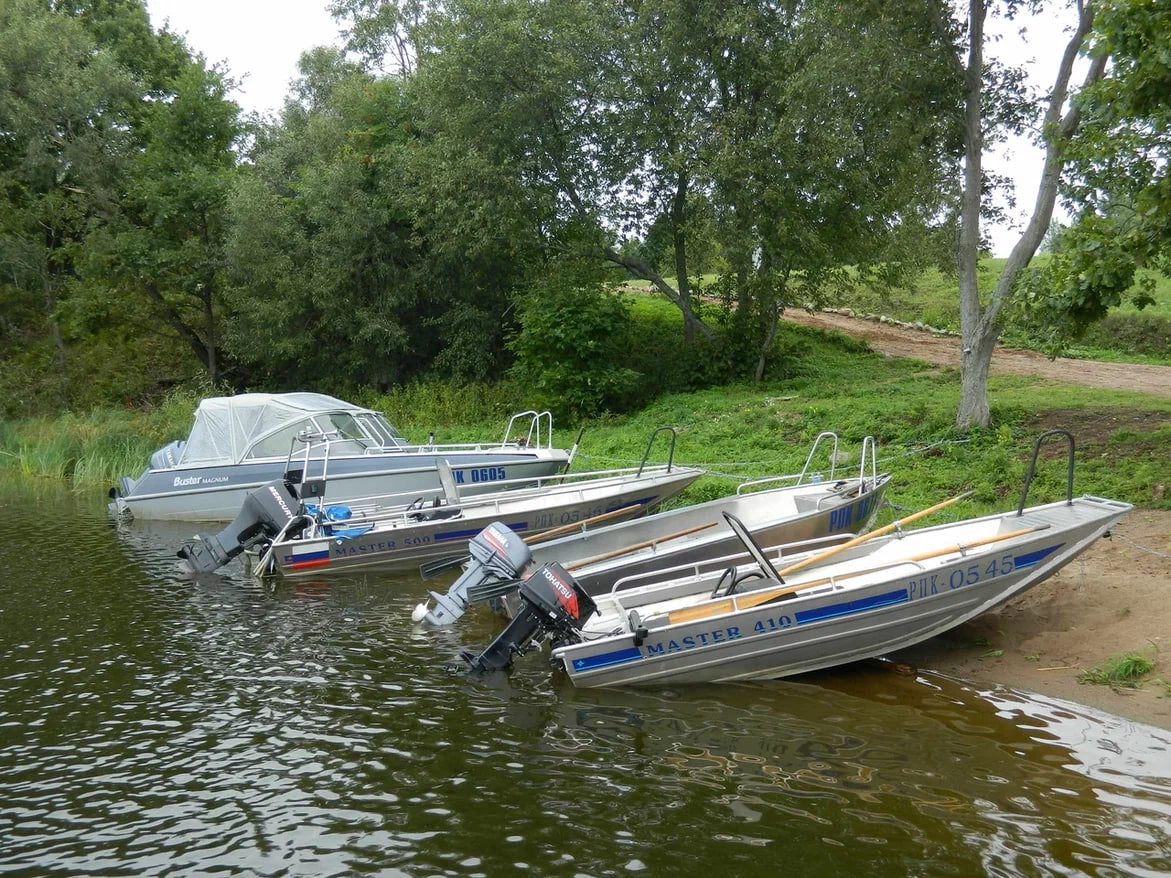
553, 605
266, 512
498, 557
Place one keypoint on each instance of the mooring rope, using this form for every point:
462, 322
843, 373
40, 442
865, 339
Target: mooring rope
1140, 546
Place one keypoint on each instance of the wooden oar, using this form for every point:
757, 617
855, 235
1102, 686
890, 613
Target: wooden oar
754, 599
570, 528
882, 531
636, 546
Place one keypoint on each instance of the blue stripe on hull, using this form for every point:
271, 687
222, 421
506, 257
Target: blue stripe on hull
849, 608
606, 659
641, 501
1022, 561
468, 534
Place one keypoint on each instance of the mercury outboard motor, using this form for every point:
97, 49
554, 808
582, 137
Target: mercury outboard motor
498, 557
554, 605
265, 513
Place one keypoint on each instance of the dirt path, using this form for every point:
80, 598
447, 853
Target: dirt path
941, 350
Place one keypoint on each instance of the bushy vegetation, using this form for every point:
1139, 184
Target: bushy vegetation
1122, 670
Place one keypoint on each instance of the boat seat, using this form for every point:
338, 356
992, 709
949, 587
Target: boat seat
447, 482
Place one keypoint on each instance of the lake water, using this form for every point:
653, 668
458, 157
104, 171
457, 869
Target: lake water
153, 725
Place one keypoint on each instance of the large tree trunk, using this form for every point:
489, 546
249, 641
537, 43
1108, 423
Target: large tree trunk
640, 269
770, 335
213, 370
58, 339
975, 362
980, 326
973, 410
679, 234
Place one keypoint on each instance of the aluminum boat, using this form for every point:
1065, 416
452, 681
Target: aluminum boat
239, 443
864, 598
398, 538
295, 532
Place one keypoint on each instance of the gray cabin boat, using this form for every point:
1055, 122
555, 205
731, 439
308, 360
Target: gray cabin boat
239, 443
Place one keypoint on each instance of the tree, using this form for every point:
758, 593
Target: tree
1118, 180
63, 143
835, 126
354, 256
980, 324
166, 243
105, 158
619, 119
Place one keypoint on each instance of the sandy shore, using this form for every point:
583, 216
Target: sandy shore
1114, 600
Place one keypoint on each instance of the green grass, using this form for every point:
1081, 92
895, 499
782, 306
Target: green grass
1123, 670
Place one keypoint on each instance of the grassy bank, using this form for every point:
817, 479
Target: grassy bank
737, 431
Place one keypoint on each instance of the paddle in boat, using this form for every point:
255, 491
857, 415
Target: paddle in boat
866, 597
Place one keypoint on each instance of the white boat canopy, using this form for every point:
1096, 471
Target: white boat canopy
227, 427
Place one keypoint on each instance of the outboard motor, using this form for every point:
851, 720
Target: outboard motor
554, 605
265, 513
498, 557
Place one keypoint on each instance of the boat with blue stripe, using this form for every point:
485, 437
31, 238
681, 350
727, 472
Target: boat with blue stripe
400, 537
769, 613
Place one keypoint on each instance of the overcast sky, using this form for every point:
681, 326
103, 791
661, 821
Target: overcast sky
261, 40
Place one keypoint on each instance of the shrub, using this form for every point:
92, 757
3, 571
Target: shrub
570, 349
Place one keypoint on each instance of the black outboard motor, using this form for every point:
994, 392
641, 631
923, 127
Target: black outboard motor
266, 511
553, 604
498, 556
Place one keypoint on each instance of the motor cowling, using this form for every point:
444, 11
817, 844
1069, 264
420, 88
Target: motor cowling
497, 555
553, 606
266, 511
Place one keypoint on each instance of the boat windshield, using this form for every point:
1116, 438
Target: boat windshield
342, 425
380, 429
346, 437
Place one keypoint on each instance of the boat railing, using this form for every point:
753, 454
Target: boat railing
392, 507
651, 442
540, 432
800, 478
851, 489
1058, 434
869, 453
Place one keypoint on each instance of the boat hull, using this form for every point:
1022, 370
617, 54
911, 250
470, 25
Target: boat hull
837, 623
217, 493
402, 542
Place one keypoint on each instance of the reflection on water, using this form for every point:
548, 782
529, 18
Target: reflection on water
151, 724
